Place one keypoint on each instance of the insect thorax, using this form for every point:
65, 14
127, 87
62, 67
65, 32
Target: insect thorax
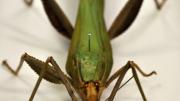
90, 65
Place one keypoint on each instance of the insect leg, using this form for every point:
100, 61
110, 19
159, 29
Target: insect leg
158, 4
57, 18
62, 76
64, 79
51, 74
125, 18
44, 70
114, 76
28, 2
121, 75
15, 72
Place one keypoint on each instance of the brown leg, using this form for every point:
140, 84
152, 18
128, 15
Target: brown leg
125, 18
64, 79
44, 70
15, 72
121, 73
159, 5
51, 74
57, 18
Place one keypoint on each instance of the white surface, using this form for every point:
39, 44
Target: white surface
152, 42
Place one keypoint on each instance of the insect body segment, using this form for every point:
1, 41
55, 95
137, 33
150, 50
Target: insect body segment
90, 43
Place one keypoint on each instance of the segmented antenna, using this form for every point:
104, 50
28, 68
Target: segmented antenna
89, 41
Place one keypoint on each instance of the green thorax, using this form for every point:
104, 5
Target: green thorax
90, 54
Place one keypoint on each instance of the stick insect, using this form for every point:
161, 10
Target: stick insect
89, 60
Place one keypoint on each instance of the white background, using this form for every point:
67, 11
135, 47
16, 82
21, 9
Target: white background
152, 42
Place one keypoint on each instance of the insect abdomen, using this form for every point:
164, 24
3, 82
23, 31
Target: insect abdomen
90, 41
